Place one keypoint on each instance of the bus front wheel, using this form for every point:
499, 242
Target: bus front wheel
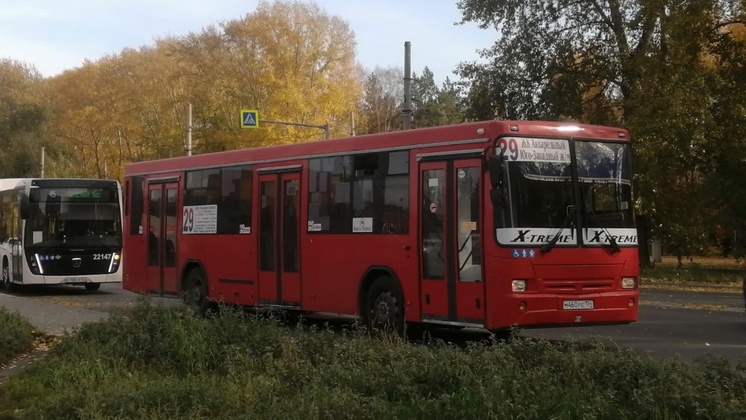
385, 306
8, 285
195, 295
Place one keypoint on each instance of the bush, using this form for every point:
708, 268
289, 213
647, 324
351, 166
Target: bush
162, 363
16, 335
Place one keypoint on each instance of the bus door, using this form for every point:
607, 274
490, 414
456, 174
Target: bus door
162, 226
451, 277
279, 219
17, 244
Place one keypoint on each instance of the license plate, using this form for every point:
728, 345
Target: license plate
577, 304
77, 280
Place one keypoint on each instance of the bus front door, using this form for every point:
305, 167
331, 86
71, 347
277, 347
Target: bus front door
162, 228
451, 278
279, 259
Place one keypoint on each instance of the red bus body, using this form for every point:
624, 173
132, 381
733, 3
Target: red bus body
302, 236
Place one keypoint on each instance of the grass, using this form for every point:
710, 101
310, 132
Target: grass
707, 271
16, 335
158, 363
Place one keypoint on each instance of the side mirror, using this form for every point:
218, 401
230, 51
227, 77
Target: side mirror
497, 197
496, 166
24, 205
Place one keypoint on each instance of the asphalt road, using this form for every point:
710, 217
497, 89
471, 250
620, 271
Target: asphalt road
672, 323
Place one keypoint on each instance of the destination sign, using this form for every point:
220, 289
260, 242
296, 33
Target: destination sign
519, 149
99, 195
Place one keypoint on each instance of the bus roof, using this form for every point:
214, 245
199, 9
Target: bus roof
7, 184
422, 137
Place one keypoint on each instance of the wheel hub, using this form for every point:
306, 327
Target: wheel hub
385, 308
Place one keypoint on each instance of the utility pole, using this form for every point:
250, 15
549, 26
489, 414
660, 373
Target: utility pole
188, 145
42, 162
407, 108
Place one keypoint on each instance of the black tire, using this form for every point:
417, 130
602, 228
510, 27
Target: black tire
92, 286
8, 285
195, 295
384, 306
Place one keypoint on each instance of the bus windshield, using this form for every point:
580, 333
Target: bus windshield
546, 198
63, 217
605, 177
541, 193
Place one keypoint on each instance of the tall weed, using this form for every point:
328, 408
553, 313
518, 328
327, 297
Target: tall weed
16, 335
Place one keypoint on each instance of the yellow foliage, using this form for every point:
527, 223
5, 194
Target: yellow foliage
289, 60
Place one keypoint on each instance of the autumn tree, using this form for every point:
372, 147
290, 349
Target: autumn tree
383, 96
290, 60
293, 62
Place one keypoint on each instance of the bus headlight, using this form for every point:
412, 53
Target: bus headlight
35, 264
629, 282
519, 285
114, 264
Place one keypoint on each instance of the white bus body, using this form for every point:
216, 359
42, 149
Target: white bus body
60, 231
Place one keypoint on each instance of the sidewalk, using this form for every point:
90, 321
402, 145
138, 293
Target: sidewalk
49, 317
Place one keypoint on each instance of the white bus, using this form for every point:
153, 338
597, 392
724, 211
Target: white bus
60, 231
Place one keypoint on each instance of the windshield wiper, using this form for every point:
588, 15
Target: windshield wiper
612, 242
588, 216
565, 224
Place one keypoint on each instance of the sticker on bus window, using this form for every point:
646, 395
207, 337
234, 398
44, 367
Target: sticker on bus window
244, 230
200, 219
314, 227
362, 224
601, 237
468, 226
432, 182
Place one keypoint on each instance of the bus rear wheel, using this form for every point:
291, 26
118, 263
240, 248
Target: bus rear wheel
195, 295
385, 306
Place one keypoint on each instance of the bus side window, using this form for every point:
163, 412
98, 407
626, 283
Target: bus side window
136, 204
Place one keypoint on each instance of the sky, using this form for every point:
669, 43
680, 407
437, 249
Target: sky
55, 36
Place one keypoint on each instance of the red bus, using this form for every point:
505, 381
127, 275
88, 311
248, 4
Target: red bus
488, 224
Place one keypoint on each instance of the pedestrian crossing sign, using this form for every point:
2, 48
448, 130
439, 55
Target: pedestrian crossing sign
249, 118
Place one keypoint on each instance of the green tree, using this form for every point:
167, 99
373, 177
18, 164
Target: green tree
434, 106
654, 66
23, 119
